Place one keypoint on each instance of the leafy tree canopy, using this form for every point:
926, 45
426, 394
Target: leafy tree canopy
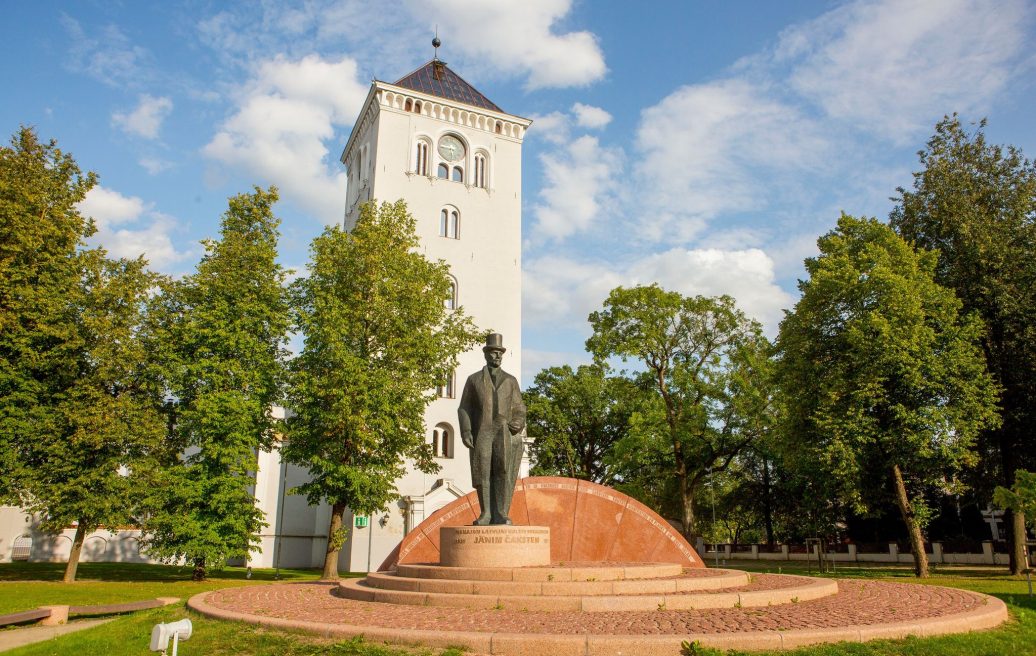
1021, 496
378, 339
707, 366
880, 372
223, 339
576, 417
975, 203
41, 232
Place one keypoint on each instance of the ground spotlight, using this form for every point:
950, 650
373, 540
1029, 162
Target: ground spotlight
160, 635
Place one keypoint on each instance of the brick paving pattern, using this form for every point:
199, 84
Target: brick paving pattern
857, 603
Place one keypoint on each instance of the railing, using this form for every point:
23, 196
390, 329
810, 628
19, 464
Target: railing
883, 552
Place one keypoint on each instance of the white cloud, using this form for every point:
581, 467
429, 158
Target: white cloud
146, 120
896, 66
783, 124
386, 37
153, 241
286, 119
518, 38
578, 180
746, 275
704, 149
562, 292
554, 127
381, 34
588, 116
110, 209
108, 56
154, 165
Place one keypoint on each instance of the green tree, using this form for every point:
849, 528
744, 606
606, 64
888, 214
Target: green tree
378, 339
91, 471
1020, 497
708, 365
575, 418
976, 204
79, 415
223, 336
41, 231
881, 373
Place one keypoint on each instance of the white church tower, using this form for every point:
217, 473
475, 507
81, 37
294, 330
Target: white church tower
455, 158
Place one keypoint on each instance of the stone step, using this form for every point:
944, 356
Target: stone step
793, 589
693, 580
559, 573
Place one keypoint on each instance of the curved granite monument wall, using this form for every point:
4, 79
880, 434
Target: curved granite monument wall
588, 522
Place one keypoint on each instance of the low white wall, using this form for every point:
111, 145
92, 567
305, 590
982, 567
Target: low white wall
101, 546
937, 555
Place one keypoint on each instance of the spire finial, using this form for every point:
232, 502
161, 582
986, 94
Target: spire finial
436, 42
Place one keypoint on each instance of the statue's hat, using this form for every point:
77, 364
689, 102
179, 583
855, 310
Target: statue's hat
494, 342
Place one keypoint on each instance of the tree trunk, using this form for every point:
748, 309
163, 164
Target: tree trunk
1016, 544
334, 543
199, 573
1008, 441
913, 529
767, 503
687, 509
73, 557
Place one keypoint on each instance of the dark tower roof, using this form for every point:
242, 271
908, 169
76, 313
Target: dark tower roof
435, 78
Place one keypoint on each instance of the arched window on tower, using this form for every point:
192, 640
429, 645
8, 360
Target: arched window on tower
421, 161
445, 389
451, 300
458, 174
442, 441
449, 223
444, 171
480, 171
408, 105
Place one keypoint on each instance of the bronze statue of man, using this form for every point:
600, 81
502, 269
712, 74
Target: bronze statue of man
492, 417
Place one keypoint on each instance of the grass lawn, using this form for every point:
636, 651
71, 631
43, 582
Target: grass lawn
24, 586
27, 585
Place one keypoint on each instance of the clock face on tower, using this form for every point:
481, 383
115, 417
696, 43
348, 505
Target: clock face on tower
450, 148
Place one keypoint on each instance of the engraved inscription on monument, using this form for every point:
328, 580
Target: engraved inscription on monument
494, 546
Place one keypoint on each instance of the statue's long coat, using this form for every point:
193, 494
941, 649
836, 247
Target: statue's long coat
477, 415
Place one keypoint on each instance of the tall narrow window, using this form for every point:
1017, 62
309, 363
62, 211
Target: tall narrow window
449, 223
409, 105
442, 441
445, 389
480, 171
458, 174
451, 300
444, 171
421, 164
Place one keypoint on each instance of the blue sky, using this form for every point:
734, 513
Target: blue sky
702, 145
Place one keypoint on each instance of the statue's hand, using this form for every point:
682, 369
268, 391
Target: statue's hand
515, 428
468, 440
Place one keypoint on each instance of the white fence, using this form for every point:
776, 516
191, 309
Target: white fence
852, 555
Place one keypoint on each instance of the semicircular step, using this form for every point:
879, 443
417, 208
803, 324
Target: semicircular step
589, 572
791, 590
